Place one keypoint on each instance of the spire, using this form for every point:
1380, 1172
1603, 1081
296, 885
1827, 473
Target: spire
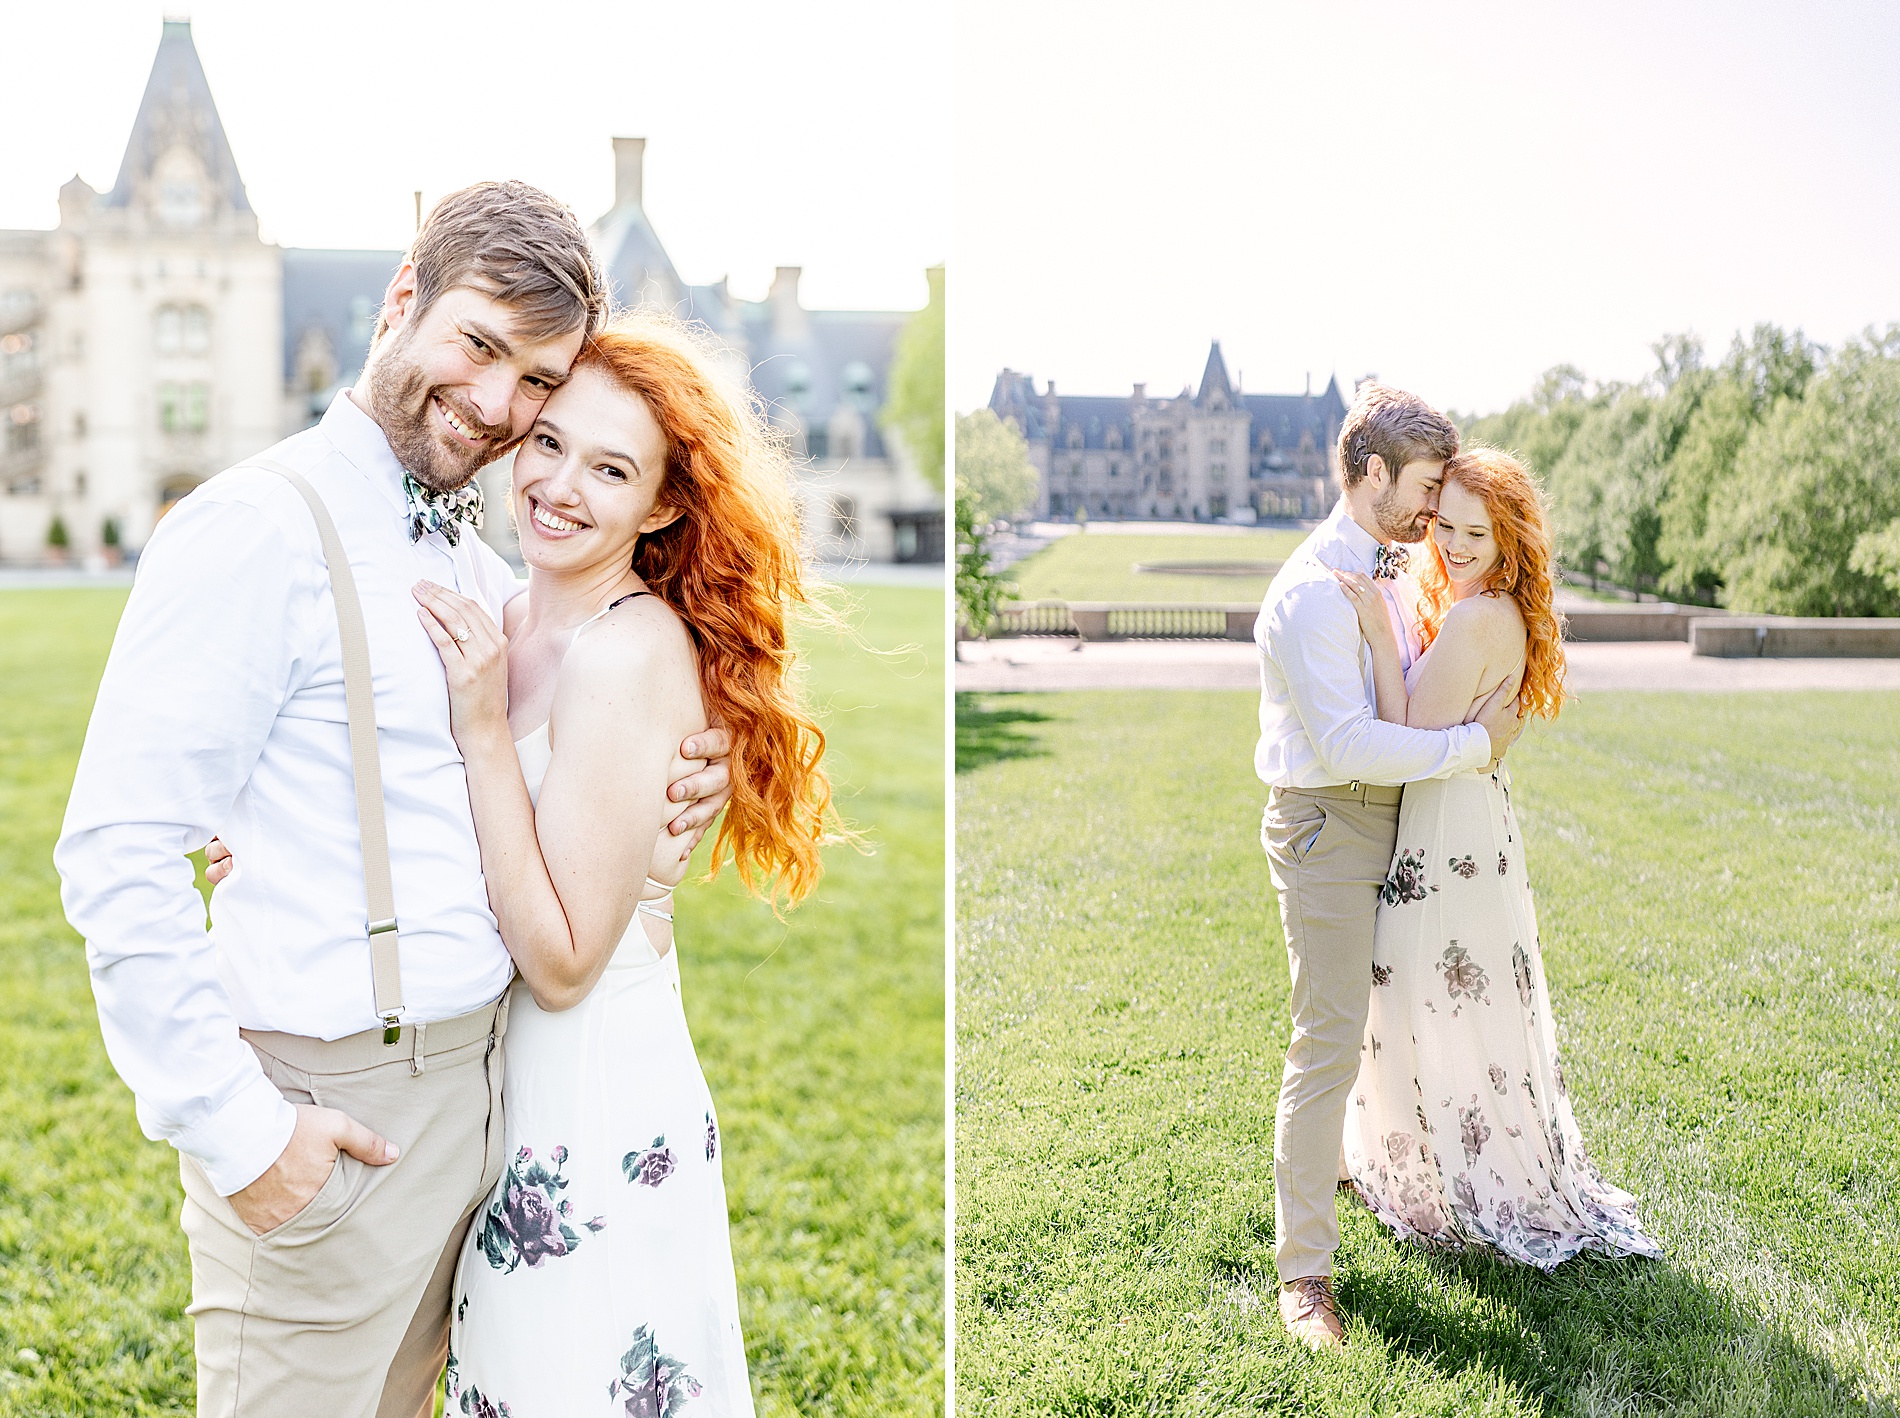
1214, 378
177, 113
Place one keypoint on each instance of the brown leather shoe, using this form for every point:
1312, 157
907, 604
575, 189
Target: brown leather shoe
1310, 1312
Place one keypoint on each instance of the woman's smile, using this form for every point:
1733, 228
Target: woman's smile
549, 522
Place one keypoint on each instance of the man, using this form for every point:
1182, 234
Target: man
331, 1161
1332, 814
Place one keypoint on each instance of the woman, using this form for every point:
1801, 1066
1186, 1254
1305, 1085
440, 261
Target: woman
1461, 1130
656, 520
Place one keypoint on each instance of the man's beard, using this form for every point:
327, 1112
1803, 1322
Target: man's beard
399, 399
1395, 522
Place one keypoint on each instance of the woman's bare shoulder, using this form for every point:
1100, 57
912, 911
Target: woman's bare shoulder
1488, 619
643, 638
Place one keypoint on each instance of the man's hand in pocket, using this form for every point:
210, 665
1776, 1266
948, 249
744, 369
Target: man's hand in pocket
305, 1165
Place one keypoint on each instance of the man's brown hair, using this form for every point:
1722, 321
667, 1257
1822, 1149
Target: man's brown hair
518, 245
1401, 428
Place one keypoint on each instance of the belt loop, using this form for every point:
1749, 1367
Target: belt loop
418, 1061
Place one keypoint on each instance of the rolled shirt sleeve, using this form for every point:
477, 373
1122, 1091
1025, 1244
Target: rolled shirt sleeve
205, 656
1313, 635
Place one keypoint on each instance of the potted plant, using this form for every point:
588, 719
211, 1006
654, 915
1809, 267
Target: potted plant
109, 540
58, 541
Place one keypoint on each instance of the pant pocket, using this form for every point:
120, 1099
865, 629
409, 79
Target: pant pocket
1292, 827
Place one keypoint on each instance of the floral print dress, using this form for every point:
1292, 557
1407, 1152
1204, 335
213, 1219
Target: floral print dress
1460, 1130
598, 1278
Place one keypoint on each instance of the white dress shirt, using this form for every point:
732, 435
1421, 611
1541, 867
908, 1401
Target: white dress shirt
1318, 724
222, 711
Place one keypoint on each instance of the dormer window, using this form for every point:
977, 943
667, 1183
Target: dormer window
860, 385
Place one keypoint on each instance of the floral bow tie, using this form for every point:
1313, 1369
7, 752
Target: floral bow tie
444, 512
1389, 563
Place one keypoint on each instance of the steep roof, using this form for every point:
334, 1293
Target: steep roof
1214, 379
633, 260
177, 107
814, 375
341, 293
1285, 417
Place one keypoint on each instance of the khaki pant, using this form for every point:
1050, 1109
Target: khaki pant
1329, 856
343, 1310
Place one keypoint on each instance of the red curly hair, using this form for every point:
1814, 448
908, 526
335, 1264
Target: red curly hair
1526, 570
731, 565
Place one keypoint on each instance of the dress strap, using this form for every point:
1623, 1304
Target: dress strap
614, 605
652, 907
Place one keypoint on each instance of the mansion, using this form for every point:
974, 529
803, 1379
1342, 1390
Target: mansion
1215, 453
153, 338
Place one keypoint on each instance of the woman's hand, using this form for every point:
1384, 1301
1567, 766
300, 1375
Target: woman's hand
1370, 605
474, 657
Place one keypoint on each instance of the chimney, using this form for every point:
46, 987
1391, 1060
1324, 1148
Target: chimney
788, 316
629, 154
1141, 392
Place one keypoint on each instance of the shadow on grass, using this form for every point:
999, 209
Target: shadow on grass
986, 735
1603, 1336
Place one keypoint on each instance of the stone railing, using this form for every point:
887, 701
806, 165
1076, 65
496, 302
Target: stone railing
1649, 621
1796, 637
1708, 631
1128, 620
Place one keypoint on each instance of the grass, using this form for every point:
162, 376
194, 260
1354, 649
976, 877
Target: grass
1100, 566
1719, 897
822, 1040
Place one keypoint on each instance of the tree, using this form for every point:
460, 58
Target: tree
1772, 366
914, 410
57, 536
1810, 485
995, 478
979, 589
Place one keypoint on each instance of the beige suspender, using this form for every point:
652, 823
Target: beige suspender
385, 971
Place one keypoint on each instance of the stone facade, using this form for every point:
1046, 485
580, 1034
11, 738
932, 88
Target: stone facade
153, 338
1215, 453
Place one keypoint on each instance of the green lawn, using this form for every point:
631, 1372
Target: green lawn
1100, 566
1719, 897
822, 1039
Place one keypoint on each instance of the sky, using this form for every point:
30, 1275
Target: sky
1454, 196
812, 133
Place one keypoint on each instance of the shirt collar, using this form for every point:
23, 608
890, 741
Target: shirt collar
1357, 542
361, 439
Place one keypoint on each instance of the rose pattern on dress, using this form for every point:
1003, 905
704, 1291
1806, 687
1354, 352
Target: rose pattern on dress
652, 1384
1464, 977
1407, 882
1381, 974
1521, 967
712, 1139
1473, 1131
1467, 1194
649, 1166
476, 1405
1537, 1198
524, 1222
